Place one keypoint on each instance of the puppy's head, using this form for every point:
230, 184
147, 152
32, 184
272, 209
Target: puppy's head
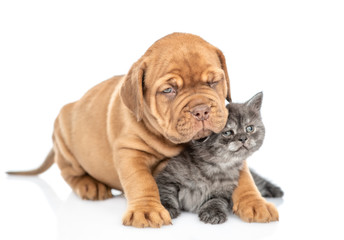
179, 87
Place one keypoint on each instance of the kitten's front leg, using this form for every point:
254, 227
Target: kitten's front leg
169, 197
248, 203
214, 210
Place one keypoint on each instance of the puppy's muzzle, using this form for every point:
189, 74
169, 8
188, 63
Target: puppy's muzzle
201, 112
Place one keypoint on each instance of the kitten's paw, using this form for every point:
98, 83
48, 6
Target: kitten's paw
173, 211
256, 210
273, 191
212, 216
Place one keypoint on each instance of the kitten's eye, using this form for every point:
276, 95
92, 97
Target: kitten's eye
249, 129
227, 133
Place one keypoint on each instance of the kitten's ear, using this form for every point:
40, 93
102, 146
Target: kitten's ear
256, 101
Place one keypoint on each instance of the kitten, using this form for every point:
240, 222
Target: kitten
203, 177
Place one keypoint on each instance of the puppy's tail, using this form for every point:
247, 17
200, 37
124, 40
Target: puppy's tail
48, 162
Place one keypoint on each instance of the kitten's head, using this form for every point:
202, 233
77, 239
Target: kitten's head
243, 134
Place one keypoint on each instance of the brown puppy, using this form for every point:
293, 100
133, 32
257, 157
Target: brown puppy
119, 132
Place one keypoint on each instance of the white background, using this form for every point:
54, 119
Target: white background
52, 52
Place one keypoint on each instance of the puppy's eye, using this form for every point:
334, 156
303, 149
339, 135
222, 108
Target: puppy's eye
212, 84
249, 129
227, 133
169, 90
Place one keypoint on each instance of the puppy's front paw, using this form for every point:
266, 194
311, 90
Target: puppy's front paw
146, 215
256, 210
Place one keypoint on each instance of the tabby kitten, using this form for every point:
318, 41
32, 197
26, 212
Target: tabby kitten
203, 177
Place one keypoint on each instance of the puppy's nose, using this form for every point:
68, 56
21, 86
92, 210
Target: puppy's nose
201, 112
242, 138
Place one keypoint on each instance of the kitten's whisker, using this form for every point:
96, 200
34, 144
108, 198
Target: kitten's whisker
201, 140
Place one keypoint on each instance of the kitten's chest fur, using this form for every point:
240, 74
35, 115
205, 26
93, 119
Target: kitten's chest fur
202, 180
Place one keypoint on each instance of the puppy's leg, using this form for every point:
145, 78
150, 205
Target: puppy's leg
82, 184
248, 204
144, 207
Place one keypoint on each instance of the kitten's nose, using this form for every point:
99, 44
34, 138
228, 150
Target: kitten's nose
242, 138
201, 112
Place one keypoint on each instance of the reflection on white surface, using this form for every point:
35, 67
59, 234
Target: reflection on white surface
74, 218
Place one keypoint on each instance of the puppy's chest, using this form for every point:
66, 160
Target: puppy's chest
207, 183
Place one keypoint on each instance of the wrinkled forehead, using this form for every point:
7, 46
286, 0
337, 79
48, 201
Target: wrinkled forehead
193, 67
187, 61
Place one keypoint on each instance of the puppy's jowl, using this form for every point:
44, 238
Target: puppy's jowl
118, 133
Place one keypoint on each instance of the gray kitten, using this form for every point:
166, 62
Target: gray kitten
203, 177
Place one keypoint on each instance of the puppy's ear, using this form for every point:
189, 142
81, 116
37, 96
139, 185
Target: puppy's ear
132, 89
224, 68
